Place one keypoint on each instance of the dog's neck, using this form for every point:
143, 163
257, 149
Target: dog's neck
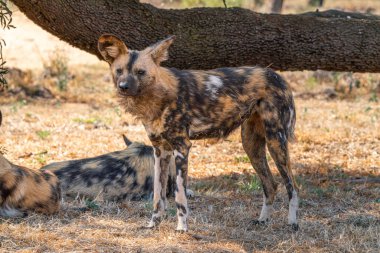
149, 105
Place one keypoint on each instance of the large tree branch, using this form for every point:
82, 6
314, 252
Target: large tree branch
216, 37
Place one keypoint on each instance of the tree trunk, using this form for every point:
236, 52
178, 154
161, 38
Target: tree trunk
217, 37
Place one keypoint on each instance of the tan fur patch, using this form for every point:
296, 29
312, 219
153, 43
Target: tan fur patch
28, 189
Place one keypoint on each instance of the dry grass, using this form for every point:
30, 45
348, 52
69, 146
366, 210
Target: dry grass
338, 141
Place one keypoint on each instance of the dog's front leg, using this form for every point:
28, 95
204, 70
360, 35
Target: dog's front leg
162, 158
181, 153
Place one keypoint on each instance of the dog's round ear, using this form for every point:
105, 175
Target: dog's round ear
111, 47
159, 51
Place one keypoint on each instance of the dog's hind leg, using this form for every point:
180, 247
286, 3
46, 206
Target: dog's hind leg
277, 142
253, 139
181, 153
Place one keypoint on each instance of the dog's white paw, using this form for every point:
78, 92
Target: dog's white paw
190, 193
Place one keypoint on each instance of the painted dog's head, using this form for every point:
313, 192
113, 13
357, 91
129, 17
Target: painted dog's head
133, 71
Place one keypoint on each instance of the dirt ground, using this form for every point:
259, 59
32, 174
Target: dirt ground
336, 160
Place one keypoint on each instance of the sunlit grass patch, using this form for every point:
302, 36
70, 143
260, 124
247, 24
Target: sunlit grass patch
92, 204
43, 134
242, 159
92, 120
252, 184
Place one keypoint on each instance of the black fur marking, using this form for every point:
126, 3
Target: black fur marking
181, 207
146, 151
37, 178
124, 196
172, 186
133, 55
148, 184
127, 141
186, 82
46, 176
133, 185
259, 222
89, 182
295, 227
233, 81
106, 44
38, 205
6, 192
54, 197
265, 190
20, 172
275, 79
289, 189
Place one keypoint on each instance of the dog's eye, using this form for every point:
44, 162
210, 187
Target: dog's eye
119, 72
141, 72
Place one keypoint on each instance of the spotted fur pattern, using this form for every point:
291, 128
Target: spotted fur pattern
177, 106
23, 190
118, 176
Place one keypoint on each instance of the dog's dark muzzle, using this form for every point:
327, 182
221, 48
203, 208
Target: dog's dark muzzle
128, 86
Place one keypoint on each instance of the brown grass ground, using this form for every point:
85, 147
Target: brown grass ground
337, 150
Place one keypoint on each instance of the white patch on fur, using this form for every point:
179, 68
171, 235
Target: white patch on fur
190, 193
290, 118
178, 154
293, 208
282, 137
266, 211
157, 184
213, 84
180, 198
151, 223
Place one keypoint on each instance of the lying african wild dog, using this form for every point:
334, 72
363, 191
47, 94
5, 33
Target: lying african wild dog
23, 189
176, 106
117, 176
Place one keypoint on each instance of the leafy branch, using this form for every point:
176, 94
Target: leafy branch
5, 23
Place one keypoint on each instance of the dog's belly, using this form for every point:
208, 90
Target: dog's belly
209, 129
208, 133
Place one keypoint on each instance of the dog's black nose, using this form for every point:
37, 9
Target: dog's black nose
123, 85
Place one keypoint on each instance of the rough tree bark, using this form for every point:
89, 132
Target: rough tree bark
216, 37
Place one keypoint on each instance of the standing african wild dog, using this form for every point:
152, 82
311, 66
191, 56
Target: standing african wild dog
176, 106
116, 176
23, 189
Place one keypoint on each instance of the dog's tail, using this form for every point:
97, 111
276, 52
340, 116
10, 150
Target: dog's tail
281, 98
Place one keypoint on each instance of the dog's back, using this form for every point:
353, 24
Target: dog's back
117, 176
